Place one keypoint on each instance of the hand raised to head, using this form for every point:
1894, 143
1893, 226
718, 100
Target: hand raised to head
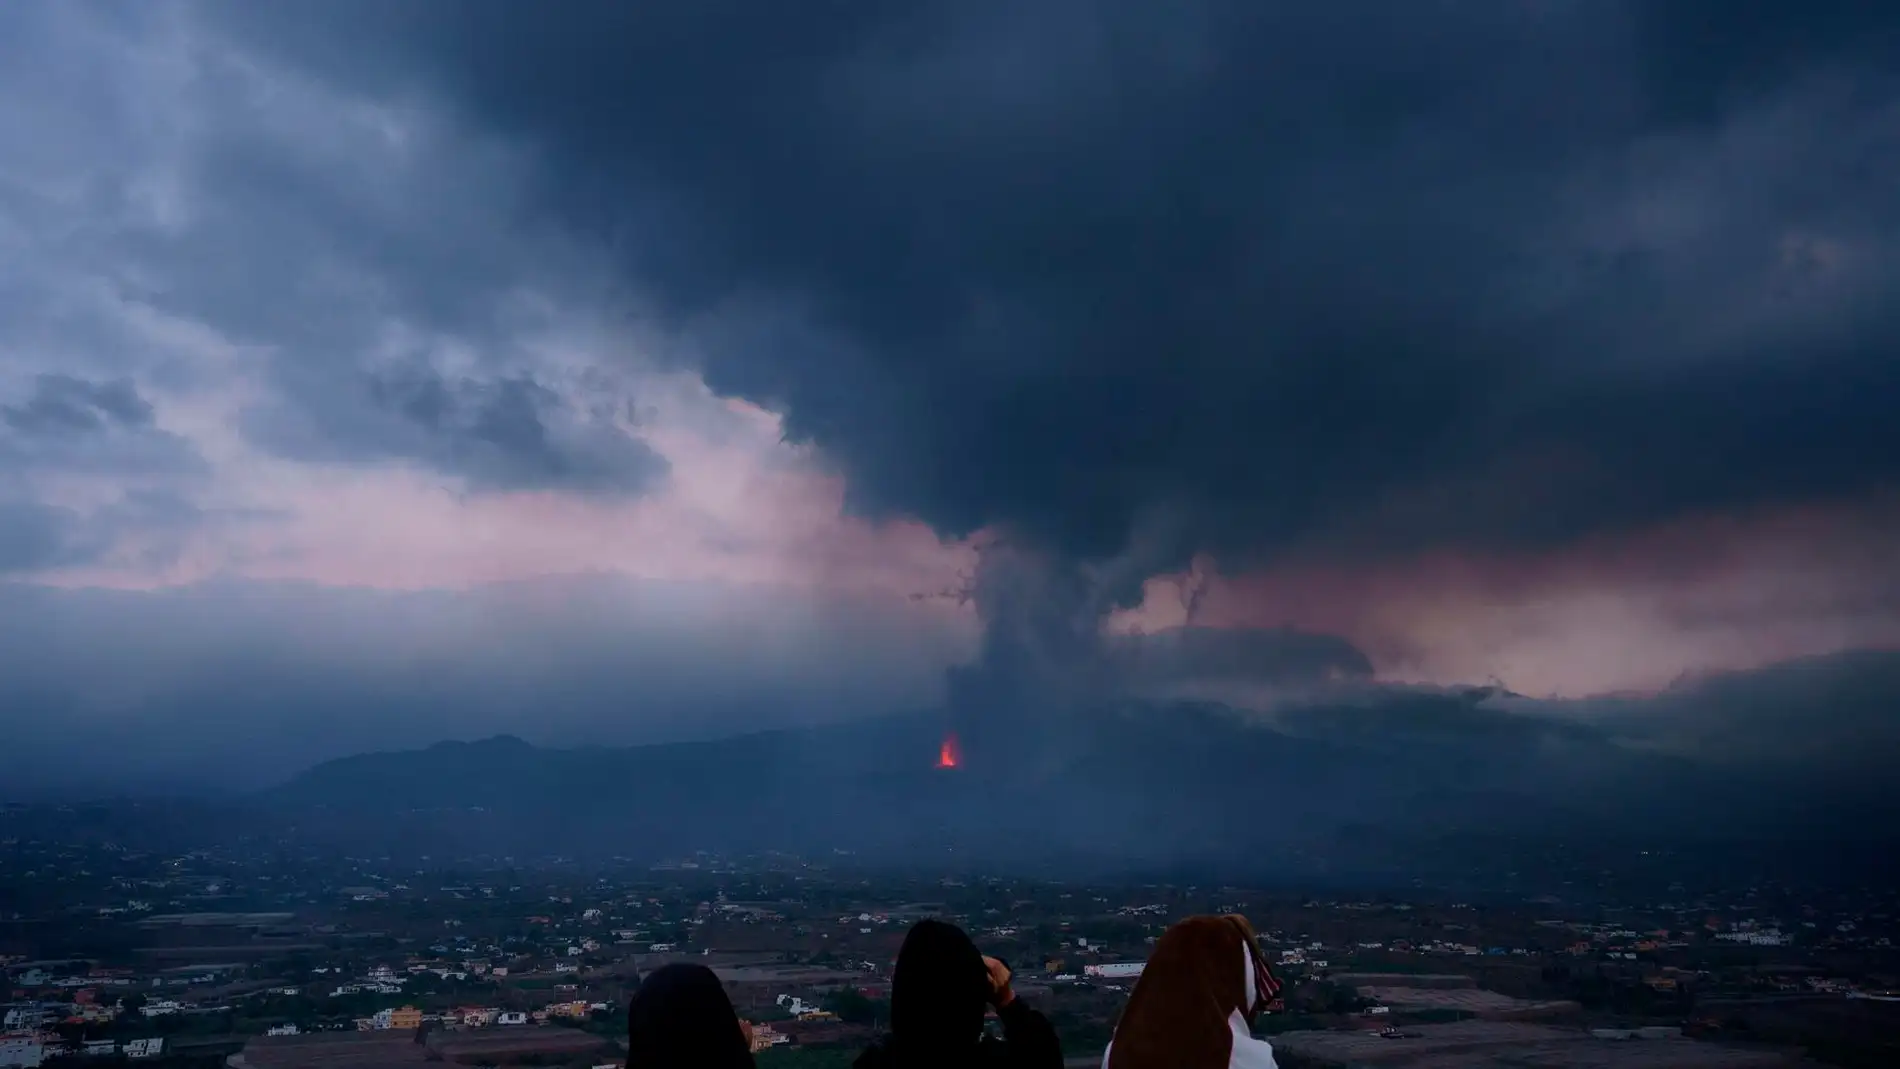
1000, 993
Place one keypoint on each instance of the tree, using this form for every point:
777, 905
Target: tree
854, 1006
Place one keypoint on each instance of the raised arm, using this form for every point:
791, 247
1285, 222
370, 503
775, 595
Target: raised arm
1029, 1036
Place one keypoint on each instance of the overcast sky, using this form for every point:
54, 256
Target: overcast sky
1549, 342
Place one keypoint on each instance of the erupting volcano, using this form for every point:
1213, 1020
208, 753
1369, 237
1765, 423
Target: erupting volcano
947, 753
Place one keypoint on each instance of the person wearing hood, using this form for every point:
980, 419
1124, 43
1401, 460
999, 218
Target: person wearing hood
680, 1018
1196, 1001
940, 992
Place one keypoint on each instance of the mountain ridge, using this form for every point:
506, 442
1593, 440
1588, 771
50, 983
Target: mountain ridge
1147, 782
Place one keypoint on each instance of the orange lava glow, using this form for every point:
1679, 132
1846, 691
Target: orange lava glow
947, 753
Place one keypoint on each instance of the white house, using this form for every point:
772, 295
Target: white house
1770, 937
26, 1051
796, 1006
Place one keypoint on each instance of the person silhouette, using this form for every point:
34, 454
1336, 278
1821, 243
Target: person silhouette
680, 1018
1196, 1001
939, 994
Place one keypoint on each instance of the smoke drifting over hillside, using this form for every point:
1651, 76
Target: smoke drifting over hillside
1267, 355
1132, 282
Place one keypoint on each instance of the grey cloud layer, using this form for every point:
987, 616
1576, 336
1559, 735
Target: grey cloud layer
67, 423
360, 258
498, 434
1831, 715
1127, 279
33, 536
64, 404
142, 528
1479, 274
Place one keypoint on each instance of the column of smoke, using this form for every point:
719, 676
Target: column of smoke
1042, 669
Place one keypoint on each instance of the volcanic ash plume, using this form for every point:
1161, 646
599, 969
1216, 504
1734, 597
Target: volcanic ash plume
1042, 662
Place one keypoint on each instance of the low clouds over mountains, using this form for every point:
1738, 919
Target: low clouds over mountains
1022, 364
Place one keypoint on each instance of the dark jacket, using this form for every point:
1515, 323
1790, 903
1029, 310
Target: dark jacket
939, 994
681, 1019
1029, 1042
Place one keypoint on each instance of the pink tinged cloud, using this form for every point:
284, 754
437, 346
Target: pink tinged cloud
1630, 611
738, 508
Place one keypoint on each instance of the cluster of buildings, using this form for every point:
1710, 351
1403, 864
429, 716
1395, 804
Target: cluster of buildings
1299, 956
1749, 934
411, 1018
27, 1029
406, 1018
29, 1050
765, 1037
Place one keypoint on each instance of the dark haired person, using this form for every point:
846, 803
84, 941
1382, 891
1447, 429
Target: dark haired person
1196, 1001
940, 992
681, 1019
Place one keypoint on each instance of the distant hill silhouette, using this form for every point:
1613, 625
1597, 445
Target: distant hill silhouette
1361, 787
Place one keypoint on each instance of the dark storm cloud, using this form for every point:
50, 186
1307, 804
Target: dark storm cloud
33, 536
68, 423
1829, 713
1368, 275
499, 434
206, 217
1700, 58
1280, 656
63, 404
149, 526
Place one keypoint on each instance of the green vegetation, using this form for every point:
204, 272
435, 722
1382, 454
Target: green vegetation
1275, 1023
1324, 996
851, 1005
807, 1058
609, 1025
